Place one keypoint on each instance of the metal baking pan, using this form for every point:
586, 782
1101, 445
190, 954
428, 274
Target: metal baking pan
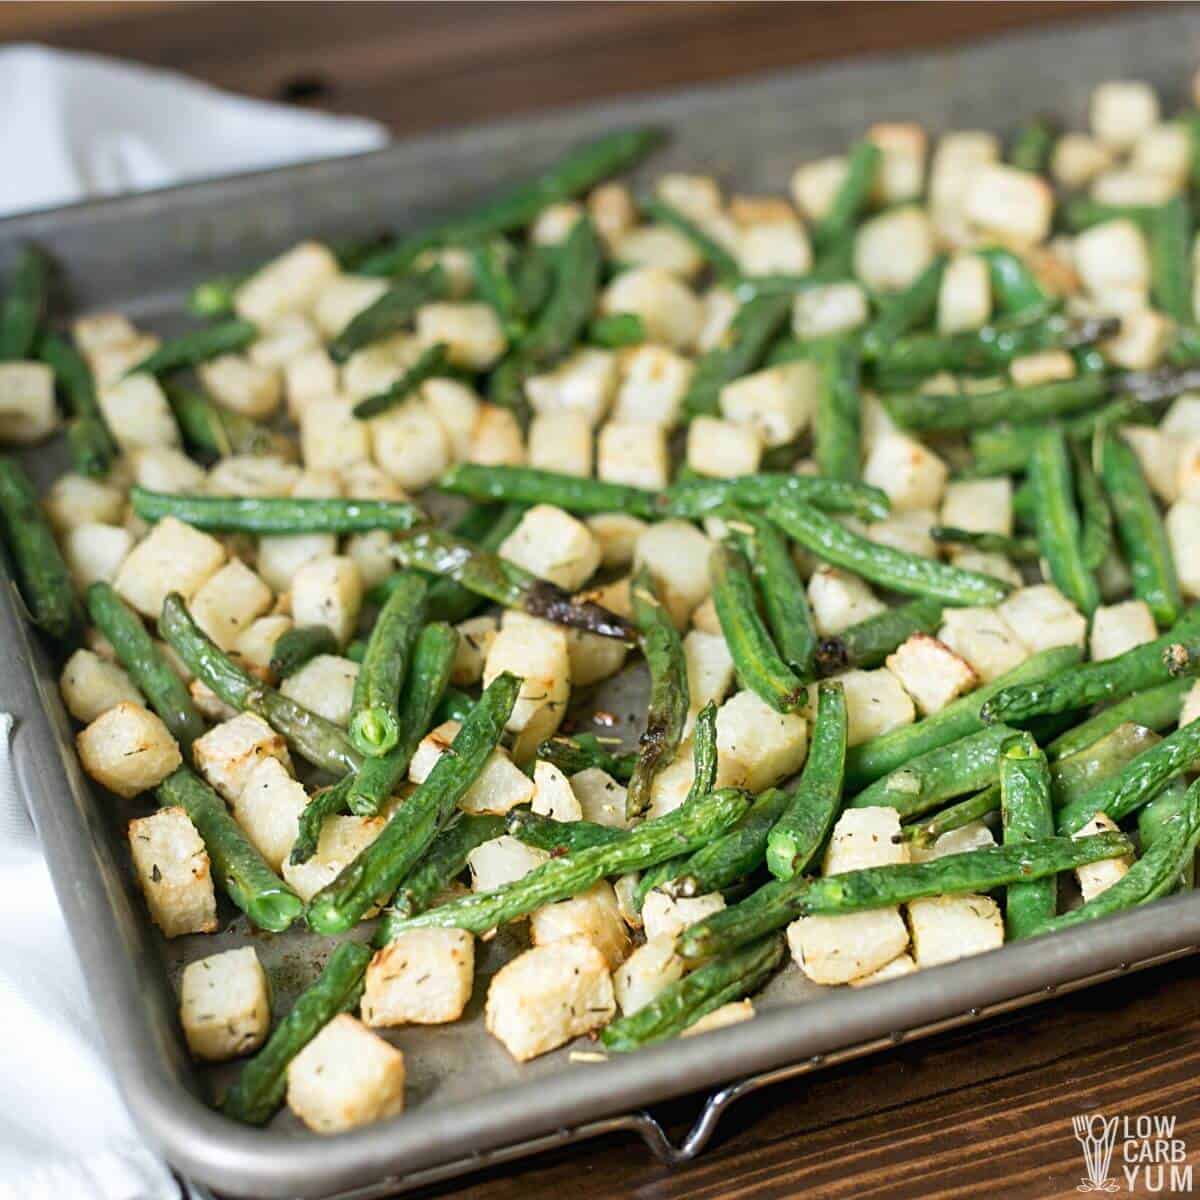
469, 1104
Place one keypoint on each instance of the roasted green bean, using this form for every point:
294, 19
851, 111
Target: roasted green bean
1058, 520
191, 349
869, 642
1028, 817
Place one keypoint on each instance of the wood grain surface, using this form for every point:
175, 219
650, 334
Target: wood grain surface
983, 1112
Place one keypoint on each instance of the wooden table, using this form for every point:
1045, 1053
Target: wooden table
982, 1112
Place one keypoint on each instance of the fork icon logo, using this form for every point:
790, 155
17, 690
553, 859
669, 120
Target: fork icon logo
1097, 1135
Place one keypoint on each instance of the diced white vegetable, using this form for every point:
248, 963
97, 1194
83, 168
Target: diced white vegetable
774, 247
253, 475
1183, 533
901, 965
907, 470
601, 798
268, 807
865, 837
975, 835
653, 382
676, 554
1164, 150
931, 673
633, 453
658, 246
289, 283
593, 915
965, 296
137, 413
720, 307
1113, 256
1047, 366
815, 185
345, 1077
1144, 338
208, 704
891, 250
646, 972
372, 554
876, 703
612, 210
585, 382
553, 545
128, 749
1158, 456
561, 442
1187, 472
591, 656
770, 746
839, 600
500, 786
95, 552
902, 170
981, 505
376, 367
165, 469
411, 445
341, 298
984, 563
549, 995
696, 196
554, 223
422, 977
325, 684
110, 364
280, 556
1191, 706
225, 1005
502, 860
27, 409
709, 671
77, 500
100, 331
285, 340
496, 439
1098, 877
833, 950
946, 928
984, 639
1043, 617
1011, 203
829, 309
174, 872
1121, 111
91, 686
329, 592
733, 1013
173, 558
1078, 159
669, 309
617, 534
471, 333
475, 637
553, 795
778, 403
342, 839
1120, 627
228, 753
331, 436
722, 448
456, 408
241, 385
665, 917
536, 652
229, 601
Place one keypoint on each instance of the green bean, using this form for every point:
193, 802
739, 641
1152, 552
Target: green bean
1033, 145
617, 330
1081, 213
390, 312
685, 829
724, 265
191, 349
780, 588
374, 711
93, 448
803, 828
1155, 874
924, 782
1140, 527
869, 642
319, 741
572, 297
506, 387
782, 901
742, 349
453, 706
1156, 821
905, 310
529, 485
236, 865
445, 861
262, 1084
1088, 683
970, 410
1020, 549
449, 601
732, 857
559, 837
215, 297
863, 163
534, 277
759, 664
1058, 520
575, 173
365, 793
249, 514
992, 346
492, 265
884, 565
1028, 817
836, 421
685, 1001
1095, 533
657, 878
954, 816
215, 432
889, 751
383, 865
356, 650
1170, 235
584, 750
696, 498
704, 753
1139, 782
435, 552
146, 664
41, 573
1154, 708
432, 363
299, 645
667, 709
24, 305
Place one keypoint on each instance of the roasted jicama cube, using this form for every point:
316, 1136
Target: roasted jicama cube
225, 1005
174, 872
128, 749
421, 977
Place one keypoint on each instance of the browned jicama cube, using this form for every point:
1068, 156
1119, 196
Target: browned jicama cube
225, 1005
422, 977
174, 872
128, 749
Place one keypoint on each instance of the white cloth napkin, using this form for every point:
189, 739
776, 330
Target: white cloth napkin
78, 126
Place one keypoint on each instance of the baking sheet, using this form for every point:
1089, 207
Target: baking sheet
465, 1094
